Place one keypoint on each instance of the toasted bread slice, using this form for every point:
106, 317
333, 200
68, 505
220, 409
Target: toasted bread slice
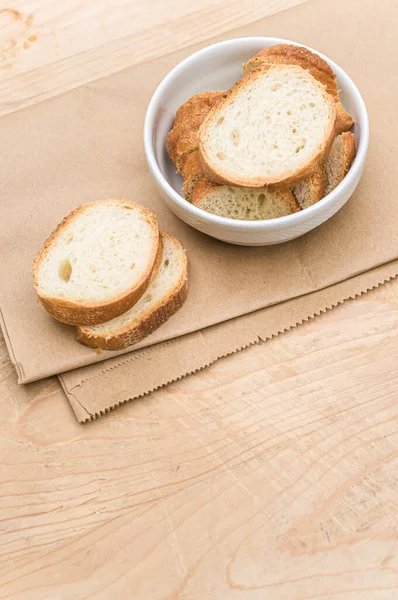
297, 55
339, 160
98, 262
274, 127
191, 171
161, 300
311, 189
183, 138
250, 204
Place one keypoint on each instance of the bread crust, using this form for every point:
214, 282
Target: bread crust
290, 177
191, 164
196, 105
183, 137
158, 260
316, 186
344, 121
350, 150
191, 171
73, 313
289, 54
149, 321
320, 69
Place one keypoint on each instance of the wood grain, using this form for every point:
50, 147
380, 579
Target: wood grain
47, 48
272, 475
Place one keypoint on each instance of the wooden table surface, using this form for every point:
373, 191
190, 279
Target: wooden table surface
271, 475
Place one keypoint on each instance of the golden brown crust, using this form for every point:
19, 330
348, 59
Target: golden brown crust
158, 260
191, 164
343, 120
150, 321
191, 171
296, 55
197, 105
350, 150
183, 137
93, 313
313, 188
204, 187
290, 178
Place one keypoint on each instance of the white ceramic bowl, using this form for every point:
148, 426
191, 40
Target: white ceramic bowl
218, 67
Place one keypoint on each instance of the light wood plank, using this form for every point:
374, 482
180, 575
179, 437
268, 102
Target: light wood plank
47, 48
272, 474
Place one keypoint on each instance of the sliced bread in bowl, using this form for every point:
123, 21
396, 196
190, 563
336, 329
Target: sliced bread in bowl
250, 204
273, 127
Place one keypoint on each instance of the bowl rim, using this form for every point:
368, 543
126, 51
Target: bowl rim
271, 224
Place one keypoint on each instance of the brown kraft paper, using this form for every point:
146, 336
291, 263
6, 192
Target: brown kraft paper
96, 389
48, 168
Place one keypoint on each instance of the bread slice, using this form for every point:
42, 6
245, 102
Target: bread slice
98, 262
274, 127
183, 138
161, 300
191, 171
311, 189
288, 54
297, 55
250, 204
339, 160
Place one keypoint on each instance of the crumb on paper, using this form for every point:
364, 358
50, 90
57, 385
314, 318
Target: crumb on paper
32, 38
38, 300
98, 350
26, 45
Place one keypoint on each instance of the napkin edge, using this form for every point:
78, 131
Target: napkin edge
84, 416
